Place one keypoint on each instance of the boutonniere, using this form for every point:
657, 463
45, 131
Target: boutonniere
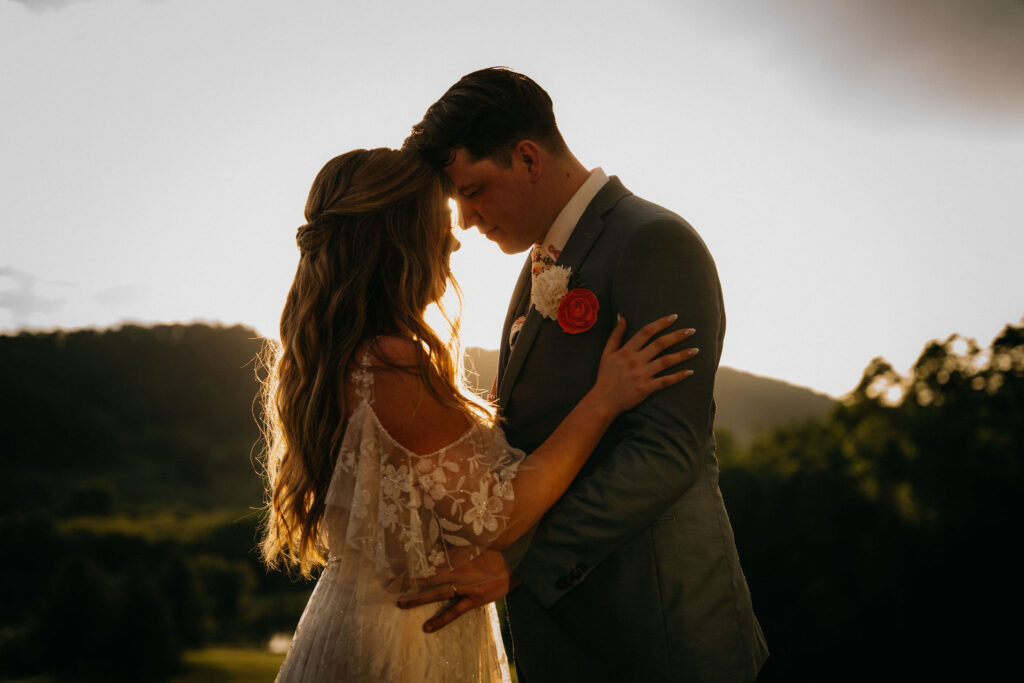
557, 296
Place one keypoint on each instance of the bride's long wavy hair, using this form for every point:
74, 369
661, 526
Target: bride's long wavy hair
373, 256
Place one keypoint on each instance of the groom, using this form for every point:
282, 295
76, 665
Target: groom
633, 575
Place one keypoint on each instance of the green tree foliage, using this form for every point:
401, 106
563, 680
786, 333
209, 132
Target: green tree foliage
878, 542
85, 587
159, 417
129, 517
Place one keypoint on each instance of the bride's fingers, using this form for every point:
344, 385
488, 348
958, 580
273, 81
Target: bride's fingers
663, 342
669, 359
644, 334
658, 383
615, 338
449, 615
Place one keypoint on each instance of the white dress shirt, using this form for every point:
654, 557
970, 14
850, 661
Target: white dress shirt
561, 229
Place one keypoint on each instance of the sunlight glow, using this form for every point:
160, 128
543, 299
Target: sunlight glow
453, 206
894, 395
146, 228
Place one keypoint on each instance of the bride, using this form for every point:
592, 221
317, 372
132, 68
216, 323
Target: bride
381, 471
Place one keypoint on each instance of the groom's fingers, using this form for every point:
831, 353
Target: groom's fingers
425, 598
450, 615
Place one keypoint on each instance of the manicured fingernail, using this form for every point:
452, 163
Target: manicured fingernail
694, 351
690, 330
672, 318
687, 373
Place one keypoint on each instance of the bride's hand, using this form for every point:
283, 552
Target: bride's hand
627, 374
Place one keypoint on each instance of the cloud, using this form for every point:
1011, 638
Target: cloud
41, 6
120, 296
28, 301
965, 55
19, 296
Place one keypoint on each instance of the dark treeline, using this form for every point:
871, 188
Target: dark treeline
877, 540
130, 516
159, 416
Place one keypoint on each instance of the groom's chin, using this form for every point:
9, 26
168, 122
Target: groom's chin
510, 247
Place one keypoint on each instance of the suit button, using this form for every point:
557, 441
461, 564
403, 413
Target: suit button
578, 570
563, 583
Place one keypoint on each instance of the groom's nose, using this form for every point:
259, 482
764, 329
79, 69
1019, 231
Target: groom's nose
470, 218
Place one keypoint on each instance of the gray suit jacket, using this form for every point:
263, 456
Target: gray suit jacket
633, 575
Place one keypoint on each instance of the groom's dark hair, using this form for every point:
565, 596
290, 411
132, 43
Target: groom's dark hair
487, 112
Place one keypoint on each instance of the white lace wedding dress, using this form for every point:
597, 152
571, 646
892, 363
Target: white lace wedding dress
393, 520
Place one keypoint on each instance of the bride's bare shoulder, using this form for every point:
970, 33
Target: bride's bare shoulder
404, 403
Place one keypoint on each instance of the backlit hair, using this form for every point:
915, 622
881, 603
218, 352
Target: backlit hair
373, 255
487, 113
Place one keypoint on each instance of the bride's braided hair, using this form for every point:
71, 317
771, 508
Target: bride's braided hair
373, 256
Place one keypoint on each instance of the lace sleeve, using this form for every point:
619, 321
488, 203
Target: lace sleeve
410, 515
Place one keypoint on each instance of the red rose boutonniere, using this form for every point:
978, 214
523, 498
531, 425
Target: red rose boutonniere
556, 296
578, 310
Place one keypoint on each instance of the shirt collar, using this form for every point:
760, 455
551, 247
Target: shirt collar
566, 220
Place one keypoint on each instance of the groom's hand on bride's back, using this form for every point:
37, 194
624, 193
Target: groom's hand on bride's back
472, 585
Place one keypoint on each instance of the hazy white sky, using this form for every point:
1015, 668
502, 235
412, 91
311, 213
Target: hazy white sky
855, 167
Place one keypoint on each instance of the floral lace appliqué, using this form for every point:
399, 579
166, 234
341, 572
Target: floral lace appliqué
411, 514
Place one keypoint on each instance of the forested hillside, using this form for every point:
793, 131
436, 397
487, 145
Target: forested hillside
163, 417
876, 533
152, 417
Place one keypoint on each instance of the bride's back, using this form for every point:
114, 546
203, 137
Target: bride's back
406, 402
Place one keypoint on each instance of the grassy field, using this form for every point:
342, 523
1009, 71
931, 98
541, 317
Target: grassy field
234, 665
216, 665
210, 665
229, 665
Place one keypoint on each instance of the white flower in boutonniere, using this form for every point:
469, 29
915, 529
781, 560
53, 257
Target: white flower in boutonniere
549, 286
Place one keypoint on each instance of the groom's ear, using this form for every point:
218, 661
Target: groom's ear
529, 154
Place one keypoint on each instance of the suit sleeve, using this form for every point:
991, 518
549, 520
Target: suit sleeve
665, 268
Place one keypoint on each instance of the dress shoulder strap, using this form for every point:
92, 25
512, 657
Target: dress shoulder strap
362, 378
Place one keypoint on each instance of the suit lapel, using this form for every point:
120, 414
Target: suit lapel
583, 238
516, 307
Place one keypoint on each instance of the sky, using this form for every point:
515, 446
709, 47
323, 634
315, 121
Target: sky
854, 167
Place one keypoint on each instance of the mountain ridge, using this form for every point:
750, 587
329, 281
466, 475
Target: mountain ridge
746, 403
165, 416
